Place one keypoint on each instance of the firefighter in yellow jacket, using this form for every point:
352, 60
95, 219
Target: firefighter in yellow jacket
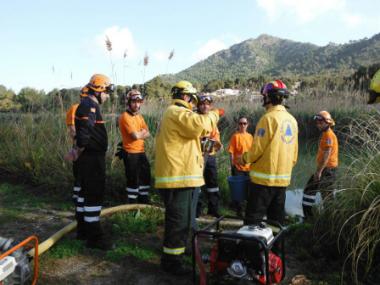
273, 154
179, 169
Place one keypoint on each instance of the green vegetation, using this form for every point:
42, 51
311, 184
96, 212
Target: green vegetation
66, 248
16, 197
7, 215
122, 250
305, 246
354, 212
271, 56
33, 145
137, 222
130, 230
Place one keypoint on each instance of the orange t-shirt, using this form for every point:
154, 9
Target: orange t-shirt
70, 115
129, 124
328, 141
239, 144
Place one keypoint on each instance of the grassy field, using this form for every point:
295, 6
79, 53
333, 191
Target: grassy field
33, 145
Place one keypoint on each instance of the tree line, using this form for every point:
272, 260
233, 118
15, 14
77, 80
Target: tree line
32, 100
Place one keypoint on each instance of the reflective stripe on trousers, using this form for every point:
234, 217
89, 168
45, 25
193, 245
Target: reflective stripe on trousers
308, 200
174, 251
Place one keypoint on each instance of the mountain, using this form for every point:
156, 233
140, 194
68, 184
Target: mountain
268, 55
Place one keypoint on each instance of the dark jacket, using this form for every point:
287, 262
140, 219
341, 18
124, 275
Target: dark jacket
89, 125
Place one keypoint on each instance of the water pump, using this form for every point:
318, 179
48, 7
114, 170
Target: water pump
15, 267
251, 252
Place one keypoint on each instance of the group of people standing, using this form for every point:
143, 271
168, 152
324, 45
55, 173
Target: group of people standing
185, 146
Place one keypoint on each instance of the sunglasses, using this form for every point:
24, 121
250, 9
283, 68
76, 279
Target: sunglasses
243, 123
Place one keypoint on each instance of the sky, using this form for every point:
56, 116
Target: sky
48, 44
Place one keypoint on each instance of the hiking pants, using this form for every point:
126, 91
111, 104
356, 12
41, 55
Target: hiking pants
211, 188
137, 173
91, 195
266, 201
328, 178
76, 187
177, 220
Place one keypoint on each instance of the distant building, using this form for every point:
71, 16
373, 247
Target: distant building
225, 92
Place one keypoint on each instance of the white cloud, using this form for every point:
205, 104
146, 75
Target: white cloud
209, 48
303, 10
121, 39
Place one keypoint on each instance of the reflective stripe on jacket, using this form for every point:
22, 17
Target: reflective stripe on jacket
178, 158
274, 150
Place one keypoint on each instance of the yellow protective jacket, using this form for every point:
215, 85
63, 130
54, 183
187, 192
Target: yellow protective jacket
178, 159
274, 150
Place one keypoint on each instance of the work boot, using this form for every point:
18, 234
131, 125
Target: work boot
102, 244
174, 265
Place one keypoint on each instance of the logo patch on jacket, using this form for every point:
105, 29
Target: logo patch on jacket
287, 132
260, 132
92, 110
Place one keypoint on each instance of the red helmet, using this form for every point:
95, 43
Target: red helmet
275, 87
274, 92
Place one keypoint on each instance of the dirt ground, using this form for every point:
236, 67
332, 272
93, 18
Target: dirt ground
90, 267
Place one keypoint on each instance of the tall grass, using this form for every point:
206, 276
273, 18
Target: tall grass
352, 218
33, 145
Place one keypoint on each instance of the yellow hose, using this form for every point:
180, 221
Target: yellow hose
44, 246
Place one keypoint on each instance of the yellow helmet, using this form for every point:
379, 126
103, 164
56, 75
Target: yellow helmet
100, 83
374, 89
325, 116
184, 87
